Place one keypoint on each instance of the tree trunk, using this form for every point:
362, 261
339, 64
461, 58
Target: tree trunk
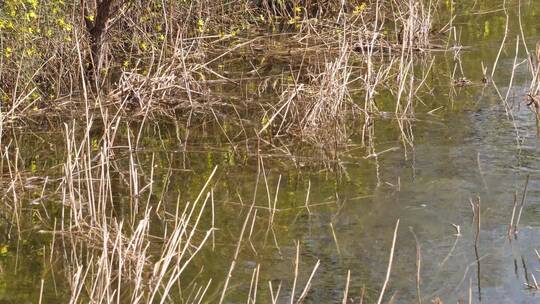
96, 30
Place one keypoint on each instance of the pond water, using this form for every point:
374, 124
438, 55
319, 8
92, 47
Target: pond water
467, 148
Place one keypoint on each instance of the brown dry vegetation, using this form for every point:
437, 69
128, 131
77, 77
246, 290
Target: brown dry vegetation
169, 56
281, 71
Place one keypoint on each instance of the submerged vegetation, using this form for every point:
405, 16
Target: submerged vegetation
128, 91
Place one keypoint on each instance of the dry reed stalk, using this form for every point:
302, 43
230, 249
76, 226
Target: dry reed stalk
335, 238
346, 291
418, 266
415, 19
405, 112
251, 231
522, 204
213, 227
274, 298
316, 111
390, 261
15, 185
117, 255
41, 291
534, 285
536, 77
502, 42
296, 264
362, 294
511, 227
304, 293
514, 66
254, 285
306, 204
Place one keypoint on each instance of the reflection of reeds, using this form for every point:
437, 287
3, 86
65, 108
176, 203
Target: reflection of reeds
109, 256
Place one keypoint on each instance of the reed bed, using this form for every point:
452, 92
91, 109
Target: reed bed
323, 63
309, 72
167, 63
180, 61
110, 256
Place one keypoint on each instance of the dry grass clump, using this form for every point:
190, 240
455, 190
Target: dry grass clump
332, 97
415, 22
378, 43
386, 27
385, 35
316, 111
164, 94
110, 263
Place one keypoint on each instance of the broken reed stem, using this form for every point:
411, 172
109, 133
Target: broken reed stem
390, 261
307, 198
335, 238
511, 228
